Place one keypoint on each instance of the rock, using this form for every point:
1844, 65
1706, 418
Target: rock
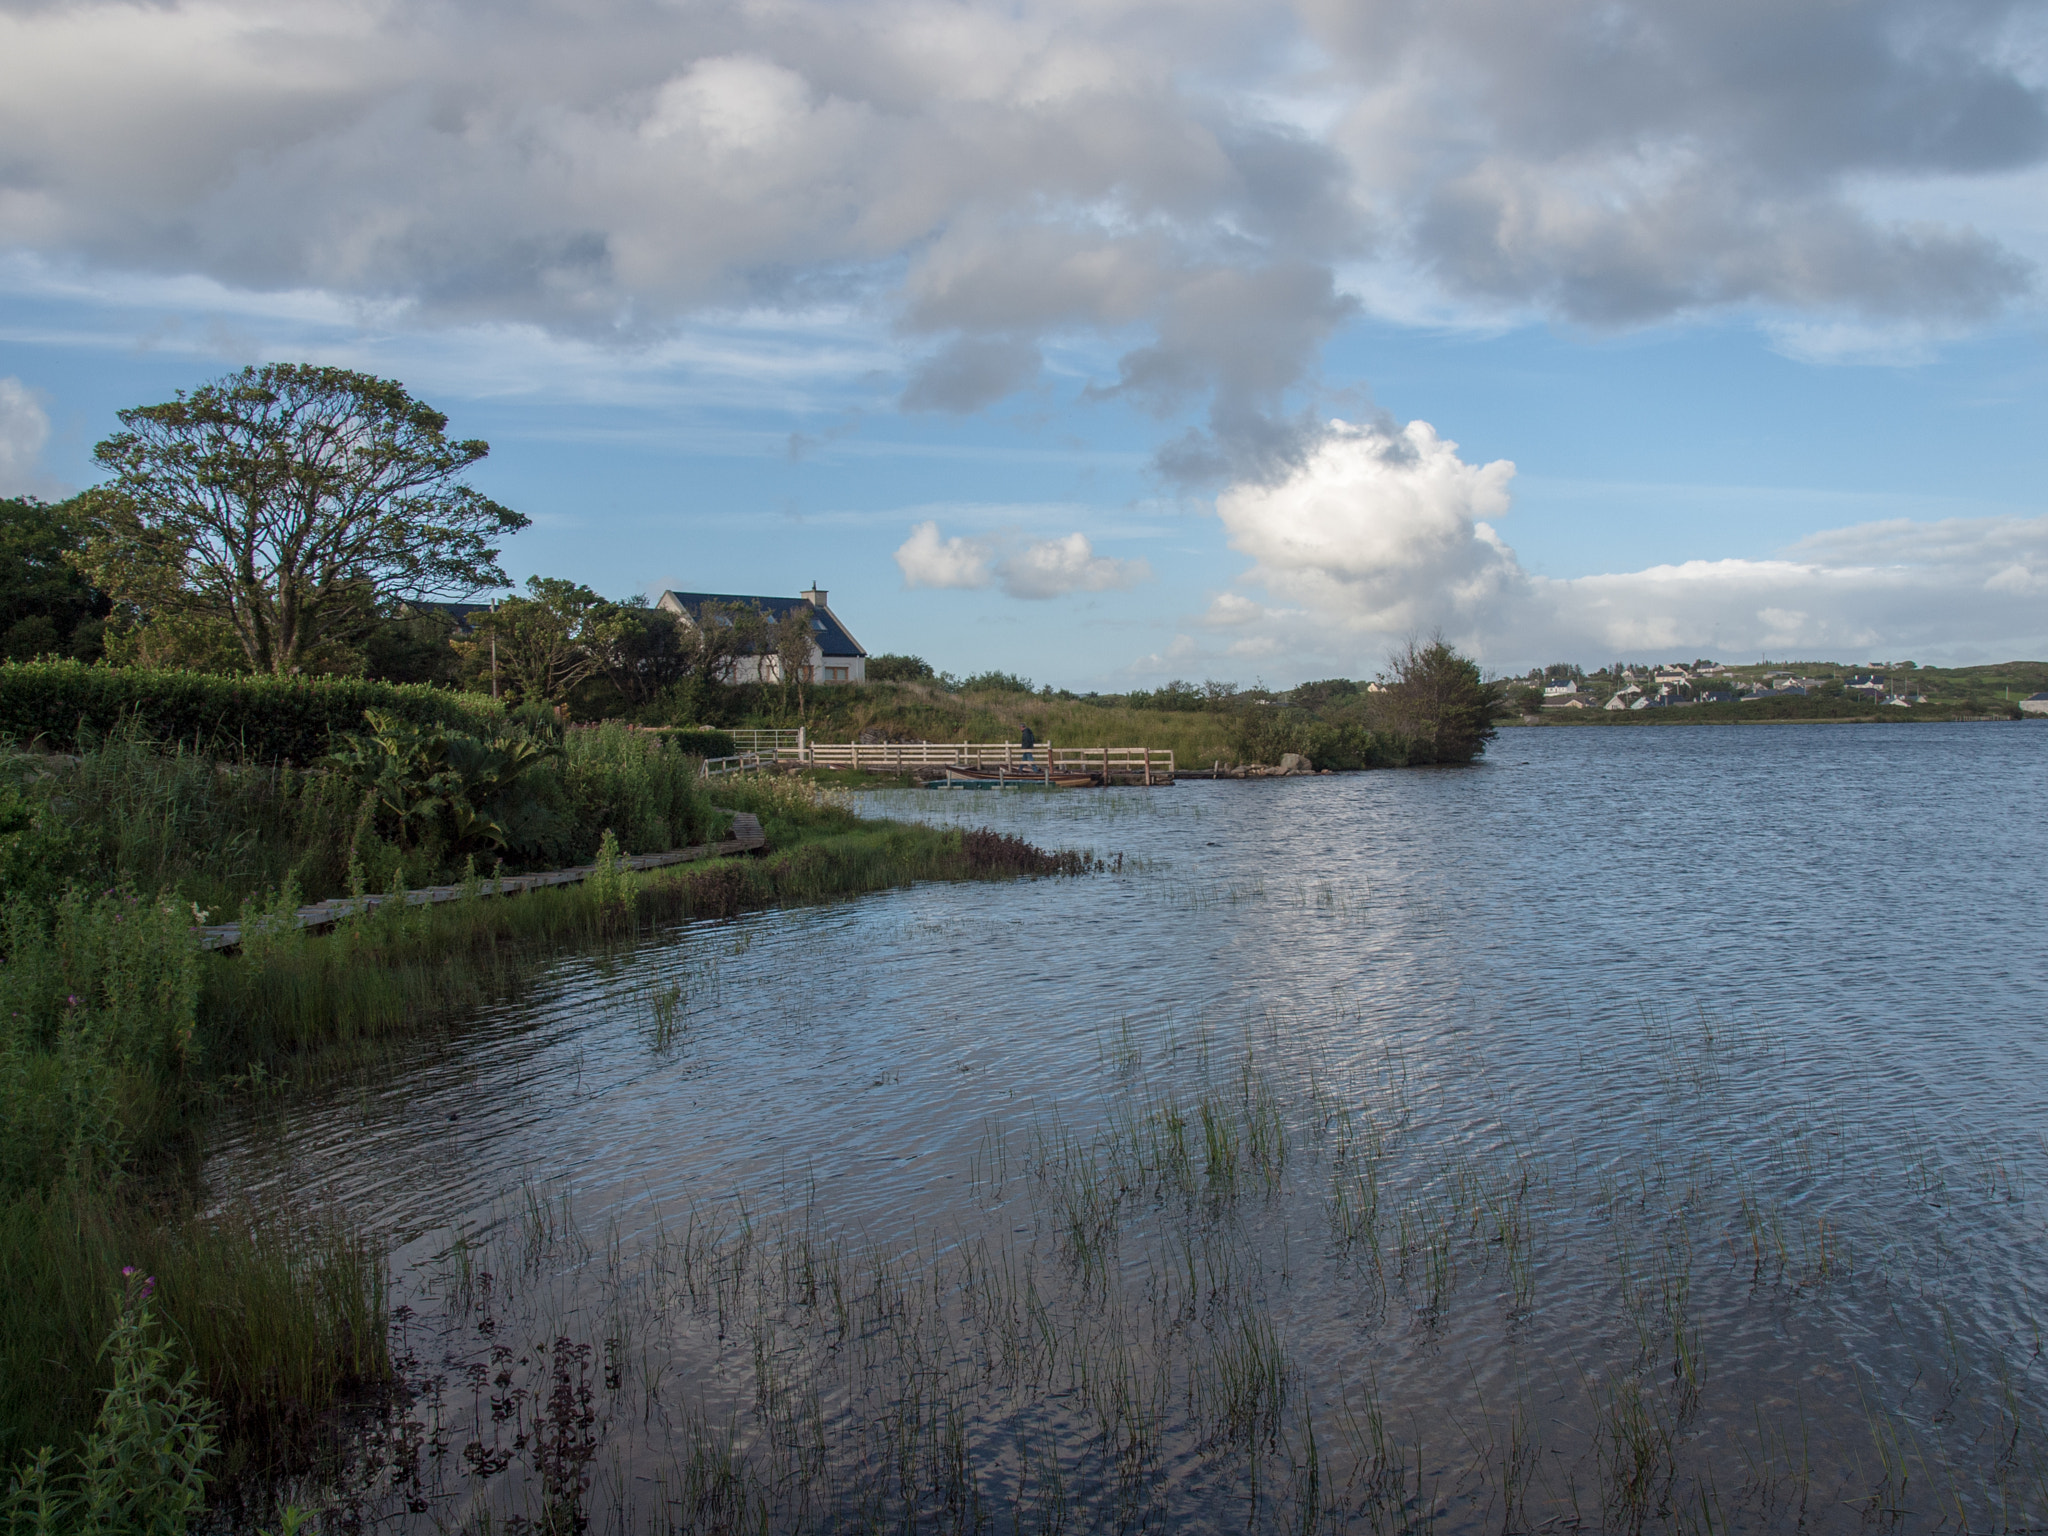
1294, 762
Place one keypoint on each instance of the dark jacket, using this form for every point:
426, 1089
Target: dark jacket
1029, 739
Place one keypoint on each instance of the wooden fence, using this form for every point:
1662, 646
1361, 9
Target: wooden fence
1121, 762
720, 767
1144, 764
766, 741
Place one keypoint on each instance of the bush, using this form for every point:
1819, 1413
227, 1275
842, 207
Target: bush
65, 705
899, 669
995, 682
703, 743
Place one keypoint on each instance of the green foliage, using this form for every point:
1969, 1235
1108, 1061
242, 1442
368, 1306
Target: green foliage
285, 502
703, 743
1439, 701
142, 1471
410, 644
894, 668
36, 855
994, 682
66, 706
46, 606
547, 643
98, 1006
433, 785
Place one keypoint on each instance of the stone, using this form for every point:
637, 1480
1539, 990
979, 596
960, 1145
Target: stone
1294, 762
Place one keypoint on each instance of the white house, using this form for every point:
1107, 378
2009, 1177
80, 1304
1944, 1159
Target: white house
2034, 704
836, 657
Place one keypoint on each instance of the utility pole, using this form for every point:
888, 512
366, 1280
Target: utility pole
494, 649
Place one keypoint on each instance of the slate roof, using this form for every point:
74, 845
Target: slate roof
831, 635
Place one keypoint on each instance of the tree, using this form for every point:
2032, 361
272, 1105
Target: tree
1438, 699
548, 641
790, 638
648, 655
720, 635
286, 502
46, 606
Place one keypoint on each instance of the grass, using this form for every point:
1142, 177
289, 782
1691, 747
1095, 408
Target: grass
275, 1320
216, 834
117, 1036
1121, 1329
918, 711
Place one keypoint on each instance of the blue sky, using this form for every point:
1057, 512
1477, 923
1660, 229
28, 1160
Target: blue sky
1095, 343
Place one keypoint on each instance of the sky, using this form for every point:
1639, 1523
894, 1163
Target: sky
1112, 342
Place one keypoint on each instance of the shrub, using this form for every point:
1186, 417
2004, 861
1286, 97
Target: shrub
703, 743
995, 682
66, 705
899, 669
142, 1471
1439, 701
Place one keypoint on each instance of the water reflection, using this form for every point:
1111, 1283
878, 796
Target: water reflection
1644, 1126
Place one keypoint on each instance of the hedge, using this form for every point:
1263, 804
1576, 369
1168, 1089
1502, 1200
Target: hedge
703, 743
65, 705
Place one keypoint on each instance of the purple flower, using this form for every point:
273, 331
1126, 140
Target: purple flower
127, 1270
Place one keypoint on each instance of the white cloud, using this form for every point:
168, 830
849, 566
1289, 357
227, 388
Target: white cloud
928, 560
1054, 567
1379, 535
24, 428
1042, 568
1379, 525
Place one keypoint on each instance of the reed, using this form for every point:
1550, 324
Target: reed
275, 1319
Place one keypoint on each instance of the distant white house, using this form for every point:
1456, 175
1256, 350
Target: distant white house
836, 657
2035, 704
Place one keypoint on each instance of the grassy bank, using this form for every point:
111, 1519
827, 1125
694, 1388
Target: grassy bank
117, 1037
198, 830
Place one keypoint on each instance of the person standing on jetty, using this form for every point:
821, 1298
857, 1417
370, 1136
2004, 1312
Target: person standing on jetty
1028, 742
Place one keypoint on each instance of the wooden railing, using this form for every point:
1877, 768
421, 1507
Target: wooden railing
765, 741
1131, 762
719, 767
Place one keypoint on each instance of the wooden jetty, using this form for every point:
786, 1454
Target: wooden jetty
746, 837
1003, 762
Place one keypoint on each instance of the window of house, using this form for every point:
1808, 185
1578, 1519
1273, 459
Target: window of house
835, 674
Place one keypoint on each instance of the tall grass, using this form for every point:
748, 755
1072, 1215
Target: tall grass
273, 1321
300, 1002
212, 834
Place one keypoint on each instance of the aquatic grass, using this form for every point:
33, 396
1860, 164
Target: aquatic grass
316, 1004
273, 1318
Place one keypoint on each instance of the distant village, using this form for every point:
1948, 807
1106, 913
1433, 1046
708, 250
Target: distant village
1677, 685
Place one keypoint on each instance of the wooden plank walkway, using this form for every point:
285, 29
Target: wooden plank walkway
746, 837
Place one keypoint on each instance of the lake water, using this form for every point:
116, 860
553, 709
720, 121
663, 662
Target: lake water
1644, 1127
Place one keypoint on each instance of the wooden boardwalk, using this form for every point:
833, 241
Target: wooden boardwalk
746, 837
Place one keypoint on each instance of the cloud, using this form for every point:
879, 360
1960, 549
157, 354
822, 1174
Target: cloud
24, 428
970, 373
1203, 190
1054, 567
1381, 526
927, 560
1042, 568
1382, 534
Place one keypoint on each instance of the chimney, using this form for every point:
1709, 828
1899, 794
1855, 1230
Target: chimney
815, 596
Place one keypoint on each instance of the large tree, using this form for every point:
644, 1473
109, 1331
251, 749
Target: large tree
288, 502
